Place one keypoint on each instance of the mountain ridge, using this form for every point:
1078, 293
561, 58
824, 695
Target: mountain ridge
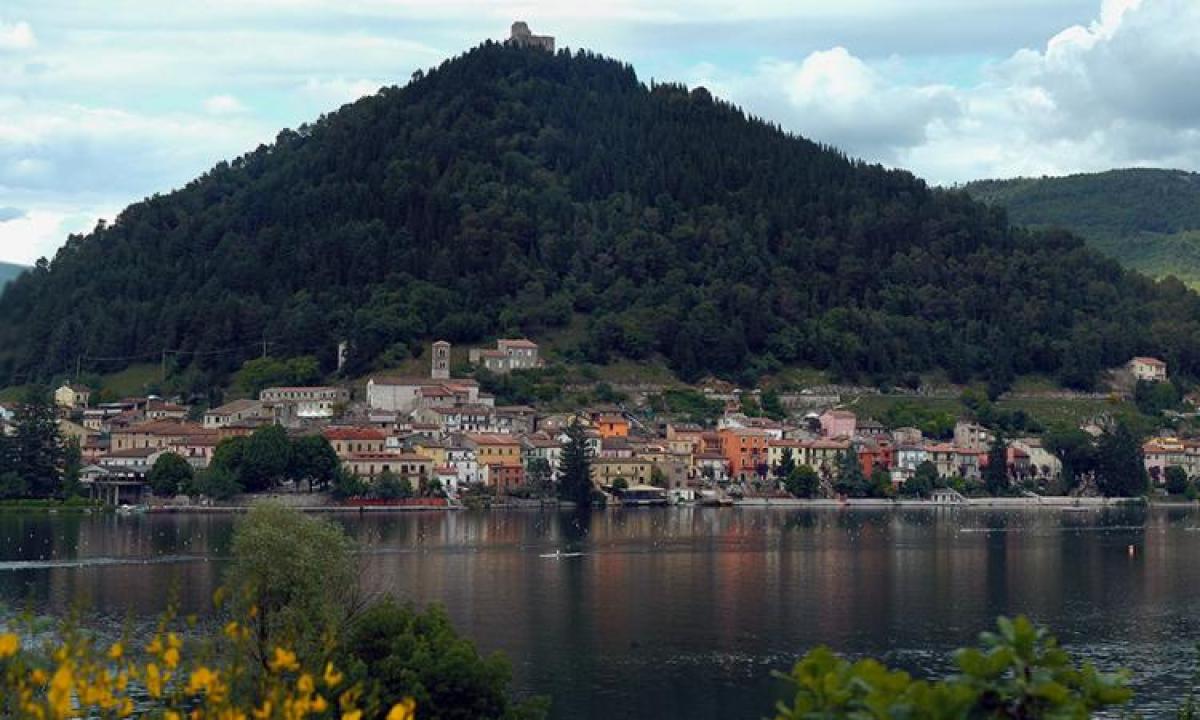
509, 190
1146, 218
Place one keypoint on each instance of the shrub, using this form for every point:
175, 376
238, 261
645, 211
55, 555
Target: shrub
1017, 672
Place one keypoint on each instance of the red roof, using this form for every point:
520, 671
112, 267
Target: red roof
519, 343
492, 439
1150, 361
353, 433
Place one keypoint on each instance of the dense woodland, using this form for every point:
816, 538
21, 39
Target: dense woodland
509, 191
1147, 219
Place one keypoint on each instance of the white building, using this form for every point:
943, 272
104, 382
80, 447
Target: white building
1148, 369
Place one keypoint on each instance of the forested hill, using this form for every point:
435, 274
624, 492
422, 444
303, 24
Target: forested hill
1147, 219
509, 190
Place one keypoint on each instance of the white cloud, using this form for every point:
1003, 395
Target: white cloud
1115, 92
223, 105
16, 36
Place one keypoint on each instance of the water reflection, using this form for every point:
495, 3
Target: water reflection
685, 612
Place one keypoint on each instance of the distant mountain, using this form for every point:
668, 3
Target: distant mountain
8, 271
1147, 219
515, 191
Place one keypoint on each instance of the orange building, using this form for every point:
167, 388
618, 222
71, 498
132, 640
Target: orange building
612, 426
745, 449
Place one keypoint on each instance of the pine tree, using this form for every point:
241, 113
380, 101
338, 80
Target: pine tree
995, 476
38, 456
1120, 469
851, 481
575, 472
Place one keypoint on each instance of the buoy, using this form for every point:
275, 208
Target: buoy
1131, 552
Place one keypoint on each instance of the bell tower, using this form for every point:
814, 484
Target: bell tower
441, 361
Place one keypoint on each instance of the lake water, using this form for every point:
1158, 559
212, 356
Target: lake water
674, 613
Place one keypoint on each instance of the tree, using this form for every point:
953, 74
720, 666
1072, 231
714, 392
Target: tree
216, 481
312, 458
995, 475
802, 482
1075, 450
347, 485
398, 652
72, 466
575, 470
299, 575
539, 476
265, 458
922, 482
851, 481
1177, 480
37, 446
785, 467
1152, 398
880, 484
1120, 469
170, 475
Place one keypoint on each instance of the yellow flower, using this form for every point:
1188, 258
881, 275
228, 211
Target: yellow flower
171, 657
305, 684
171, 715
283, 660
403, 710
263, 712
38, 677
59, 695
332, 676
352, 715
116, 651
154, 680
202, 679
319, 705
9, 645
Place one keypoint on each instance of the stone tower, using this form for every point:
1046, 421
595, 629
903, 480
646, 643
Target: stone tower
441, 361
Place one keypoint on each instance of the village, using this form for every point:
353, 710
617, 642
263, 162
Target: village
444, 437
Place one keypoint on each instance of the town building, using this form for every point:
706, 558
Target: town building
72, 396
745, 452
350, 441
838, 423
440, 368
234, 411
1148, 369
508, 355
634, 471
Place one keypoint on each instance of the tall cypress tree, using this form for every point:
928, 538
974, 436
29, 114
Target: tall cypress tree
38, 456
575, 472
995, 475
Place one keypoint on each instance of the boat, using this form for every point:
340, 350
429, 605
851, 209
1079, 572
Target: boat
643, 495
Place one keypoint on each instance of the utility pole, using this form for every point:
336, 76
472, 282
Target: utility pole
78, 362
162, 368
264, 354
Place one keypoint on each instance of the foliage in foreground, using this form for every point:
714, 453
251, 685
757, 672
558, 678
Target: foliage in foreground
1017, 672
69, 675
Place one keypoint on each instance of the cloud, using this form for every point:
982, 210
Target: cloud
834, 97
11, 213
1114, 92
16, 36
223, 105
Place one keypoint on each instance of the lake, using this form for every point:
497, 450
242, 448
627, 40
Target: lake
674, 613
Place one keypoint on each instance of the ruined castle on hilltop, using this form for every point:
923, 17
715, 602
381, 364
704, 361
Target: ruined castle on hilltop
522, 37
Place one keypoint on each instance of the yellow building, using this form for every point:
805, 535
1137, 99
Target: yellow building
495, 448
634, 471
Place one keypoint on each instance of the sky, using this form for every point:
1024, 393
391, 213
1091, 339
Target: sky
105, 103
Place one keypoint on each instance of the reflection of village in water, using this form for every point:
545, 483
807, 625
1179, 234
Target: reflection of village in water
636, 596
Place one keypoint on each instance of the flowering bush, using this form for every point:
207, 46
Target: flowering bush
67, 674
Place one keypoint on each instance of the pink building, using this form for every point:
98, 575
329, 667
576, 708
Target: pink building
838, 423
